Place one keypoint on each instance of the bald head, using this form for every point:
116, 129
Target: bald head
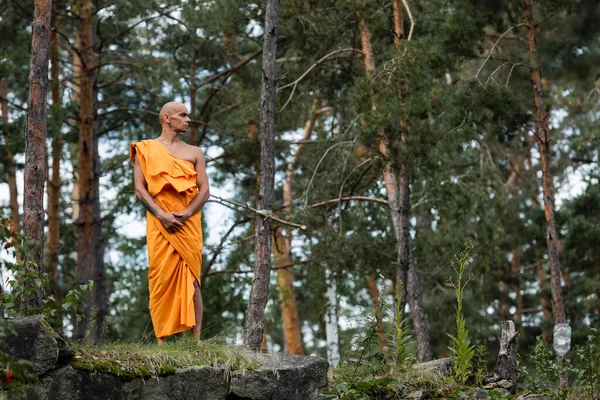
174, 117
171, 108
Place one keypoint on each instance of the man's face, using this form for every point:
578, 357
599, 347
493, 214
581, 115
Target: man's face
179, 119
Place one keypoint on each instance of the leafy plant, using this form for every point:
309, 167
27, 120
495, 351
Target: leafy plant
480, 363
402, 335
461, 349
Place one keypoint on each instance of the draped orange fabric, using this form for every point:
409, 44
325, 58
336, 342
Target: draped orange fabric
174, 258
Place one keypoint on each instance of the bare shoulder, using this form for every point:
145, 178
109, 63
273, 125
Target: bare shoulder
197, 152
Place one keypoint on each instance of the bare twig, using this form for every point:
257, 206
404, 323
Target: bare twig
264, 213
340, 199
295, 83
494, 47
219, 249
410, 17
312, 178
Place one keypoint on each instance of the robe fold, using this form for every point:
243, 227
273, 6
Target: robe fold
174, 258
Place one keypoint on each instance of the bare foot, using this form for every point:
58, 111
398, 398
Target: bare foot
161, 341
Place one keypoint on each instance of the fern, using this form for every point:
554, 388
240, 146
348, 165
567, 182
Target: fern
403, 342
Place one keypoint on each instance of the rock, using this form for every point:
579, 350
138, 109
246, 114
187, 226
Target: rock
532, 397
287, 377
69, 383
199, 383
503, 384
280, 376
479, 394
417, 395
33, 340
442, 367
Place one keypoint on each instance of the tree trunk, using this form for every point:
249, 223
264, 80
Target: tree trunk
35, 143
53, 186
391, 182
331, 324
414, 288
262, 266
193, 95
9, 162
90, 260
374, 292
283, 256
74, 147
516, 269
543, 135
420, 328
506, 367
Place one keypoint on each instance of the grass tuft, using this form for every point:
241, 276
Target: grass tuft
133, 360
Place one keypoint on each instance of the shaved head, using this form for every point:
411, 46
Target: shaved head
170, 108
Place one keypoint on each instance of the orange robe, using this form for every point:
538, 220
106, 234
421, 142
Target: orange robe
174, 258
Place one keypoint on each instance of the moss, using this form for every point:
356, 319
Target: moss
125, 372
134, 360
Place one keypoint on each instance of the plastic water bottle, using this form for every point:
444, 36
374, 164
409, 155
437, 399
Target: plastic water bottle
562, 339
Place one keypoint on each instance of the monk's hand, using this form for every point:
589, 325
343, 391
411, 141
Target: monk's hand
170, 222
181, 216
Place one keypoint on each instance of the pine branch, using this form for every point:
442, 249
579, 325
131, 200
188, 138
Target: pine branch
264, 213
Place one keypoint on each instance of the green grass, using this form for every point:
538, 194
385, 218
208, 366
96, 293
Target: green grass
132, 360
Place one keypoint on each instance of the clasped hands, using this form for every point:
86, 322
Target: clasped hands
173, 221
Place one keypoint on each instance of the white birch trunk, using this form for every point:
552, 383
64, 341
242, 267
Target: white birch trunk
331, 324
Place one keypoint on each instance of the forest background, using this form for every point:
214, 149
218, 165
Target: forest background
404, 130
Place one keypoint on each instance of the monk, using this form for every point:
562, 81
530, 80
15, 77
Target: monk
171, 182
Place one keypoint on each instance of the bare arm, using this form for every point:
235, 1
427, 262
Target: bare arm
203, 189
168, 220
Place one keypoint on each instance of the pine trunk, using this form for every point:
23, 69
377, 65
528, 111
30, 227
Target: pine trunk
543, 135
53, 186
90, 257
193, 95
35, 143
262, 267
283, 256
415, 287
9, 162
391, 182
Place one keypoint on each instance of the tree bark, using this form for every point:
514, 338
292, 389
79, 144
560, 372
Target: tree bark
331, 324
90, 258
35, 143
262, 266
506, 367
9, 162
53, 186
193, 95
391, 182
283, 256
414, 288
543, 136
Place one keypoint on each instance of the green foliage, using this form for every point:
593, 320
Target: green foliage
461, 349
30, 282
582, 370
479, 363
402, 353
